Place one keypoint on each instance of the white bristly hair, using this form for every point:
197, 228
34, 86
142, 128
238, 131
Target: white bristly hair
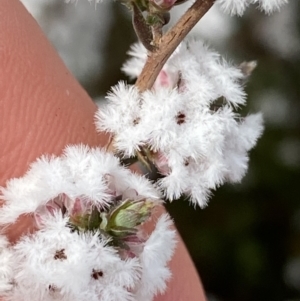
238, 7
188, 120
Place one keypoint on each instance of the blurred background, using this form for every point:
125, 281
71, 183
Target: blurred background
246, 243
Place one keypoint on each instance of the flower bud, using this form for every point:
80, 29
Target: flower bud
123, 220
164, 4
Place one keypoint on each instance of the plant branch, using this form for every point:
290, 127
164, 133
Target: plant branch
169, 43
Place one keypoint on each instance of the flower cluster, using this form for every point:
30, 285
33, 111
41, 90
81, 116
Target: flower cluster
186, 123
89, 242
89, 213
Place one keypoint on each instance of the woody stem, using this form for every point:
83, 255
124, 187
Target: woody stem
169, 43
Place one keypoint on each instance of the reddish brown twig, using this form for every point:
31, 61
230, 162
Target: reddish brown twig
169, 43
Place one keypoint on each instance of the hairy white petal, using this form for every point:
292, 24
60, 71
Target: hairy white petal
238, 7
234, 7
84, 168
134, 65
238, 143
45, 180
270, 6
122, 116
158, 251
6, 266
81, 172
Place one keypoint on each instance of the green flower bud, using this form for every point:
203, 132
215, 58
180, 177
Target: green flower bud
123, 220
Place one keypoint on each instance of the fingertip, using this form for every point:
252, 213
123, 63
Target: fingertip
43, 108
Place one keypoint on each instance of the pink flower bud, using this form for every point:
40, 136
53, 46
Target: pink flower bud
161, 163
165, 4
166, 79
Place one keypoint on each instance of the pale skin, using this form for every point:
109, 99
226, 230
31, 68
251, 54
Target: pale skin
43, 109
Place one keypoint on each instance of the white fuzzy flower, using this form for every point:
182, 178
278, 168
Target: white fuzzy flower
80, 173
89, 243
158, 249
238, 7
56, 263
6, 266
187, 121
122, 116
